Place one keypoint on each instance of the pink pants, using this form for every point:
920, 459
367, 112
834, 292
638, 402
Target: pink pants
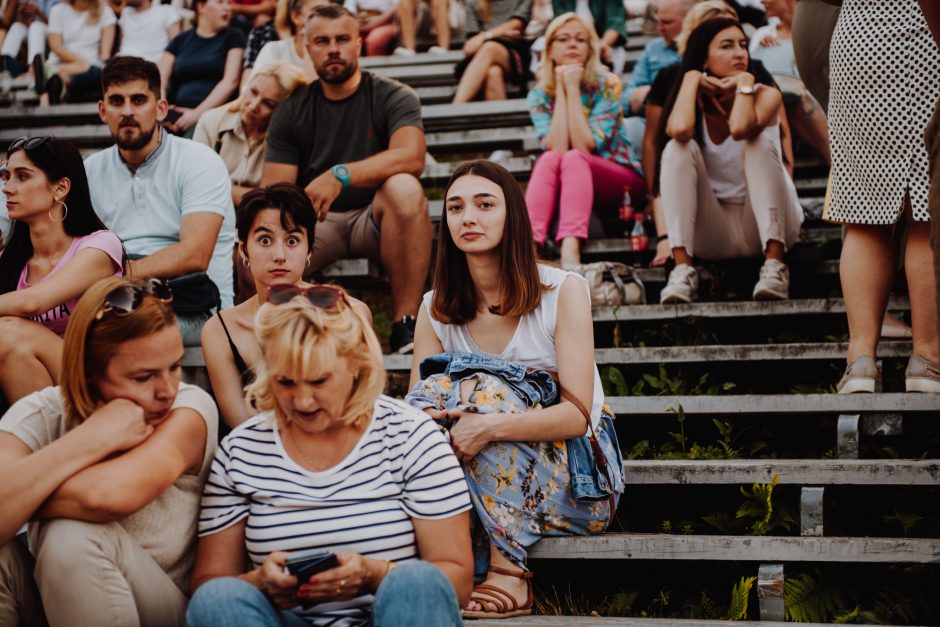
576, 182
379, 40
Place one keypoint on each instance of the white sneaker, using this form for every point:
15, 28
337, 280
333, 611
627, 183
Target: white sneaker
500, 155
438, 50
682, 286
401, 51
774, 281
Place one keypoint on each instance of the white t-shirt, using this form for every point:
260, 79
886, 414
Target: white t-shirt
78, 36
281, 50
354, 6
533, 343
165, 528
144, 34
401, 469
145, 208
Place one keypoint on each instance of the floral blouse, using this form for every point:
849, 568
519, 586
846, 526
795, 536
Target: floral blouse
604, 113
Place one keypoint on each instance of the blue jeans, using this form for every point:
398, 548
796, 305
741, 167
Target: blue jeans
415, 593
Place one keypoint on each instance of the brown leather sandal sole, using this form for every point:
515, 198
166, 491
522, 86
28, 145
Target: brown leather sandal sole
508, 608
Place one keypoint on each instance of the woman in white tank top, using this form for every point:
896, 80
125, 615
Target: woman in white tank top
725, 191
492, 298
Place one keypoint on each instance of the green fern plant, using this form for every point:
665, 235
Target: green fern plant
814, 598
907, 521
622, 604
740, 594
759, 506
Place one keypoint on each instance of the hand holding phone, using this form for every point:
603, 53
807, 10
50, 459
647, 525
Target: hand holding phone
305, 564
172, 115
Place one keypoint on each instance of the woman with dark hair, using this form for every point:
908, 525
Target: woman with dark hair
201, 67
275, 227
493, 299
108, 468
740, 201
58, 248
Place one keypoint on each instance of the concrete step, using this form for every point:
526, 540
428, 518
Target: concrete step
798, 352
655, 546
777, 404
734, 309
803, 472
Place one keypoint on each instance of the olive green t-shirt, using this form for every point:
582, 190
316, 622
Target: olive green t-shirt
314, 133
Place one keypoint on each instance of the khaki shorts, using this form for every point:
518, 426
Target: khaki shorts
345, 235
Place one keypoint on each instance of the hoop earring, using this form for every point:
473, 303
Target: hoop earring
307, 265
65, 213
245, 262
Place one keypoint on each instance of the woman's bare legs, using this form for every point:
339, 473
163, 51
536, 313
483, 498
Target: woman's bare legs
810, 125
477, 74
866, 269
30, 357
922, 289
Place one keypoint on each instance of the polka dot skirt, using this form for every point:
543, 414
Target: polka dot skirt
885, 81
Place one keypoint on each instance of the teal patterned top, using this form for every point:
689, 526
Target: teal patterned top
603, 110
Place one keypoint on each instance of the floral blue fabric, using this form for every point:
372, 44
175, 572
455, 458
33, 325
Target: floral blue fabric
521, 491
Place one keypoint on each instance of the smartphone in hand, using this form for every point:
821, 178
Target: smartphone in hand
305, 564
172, 115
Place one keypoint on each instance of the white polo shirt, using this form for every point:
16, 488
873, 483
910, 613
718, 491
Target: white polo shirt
144, 208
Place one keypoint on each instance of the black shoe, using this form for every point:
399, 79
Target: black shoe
56, 90
402, 340
39, 74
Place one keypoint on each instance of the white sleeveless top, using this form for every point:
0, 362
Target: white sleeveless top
533, 343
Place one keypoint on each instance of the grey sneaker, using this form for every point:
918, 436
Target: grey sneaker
922, 376
774, 281
860, 376
682, 286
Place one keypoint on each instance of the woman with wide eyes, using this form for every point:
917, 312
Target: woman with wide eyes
108, 469
58, 248
492, 298
722, 126
578, 118
275, 227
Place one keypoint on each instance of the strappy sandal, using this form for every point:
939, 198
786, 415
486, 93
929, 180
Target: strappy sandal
505, 602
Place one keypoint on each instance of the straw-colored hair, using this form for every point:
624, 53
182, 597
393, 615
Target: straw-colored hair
288, 76
702, 12
95, 9
592, 68
306, 342
89, 344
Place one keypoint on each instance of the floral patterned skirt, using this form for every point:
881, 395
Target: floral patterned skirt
521, 491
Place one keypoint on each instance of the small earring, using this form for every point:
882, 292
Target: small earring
307, 265
65, 212
245, 262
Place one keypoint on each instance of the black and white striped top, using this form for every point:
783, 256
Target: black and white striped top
401, 468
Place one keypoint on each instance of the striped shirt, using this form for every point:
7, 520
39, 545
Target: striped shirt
401, 468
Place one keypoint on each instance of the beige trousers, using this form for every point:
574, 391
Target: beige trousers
87, 574
697, 221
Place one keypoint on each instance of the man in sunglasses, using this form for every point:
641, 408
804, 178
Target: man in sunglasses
355, 141
167, 198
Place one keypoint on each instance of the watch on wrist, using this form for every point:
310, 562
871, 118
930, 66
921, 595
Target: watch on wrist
487, 35
342, 173
746, 90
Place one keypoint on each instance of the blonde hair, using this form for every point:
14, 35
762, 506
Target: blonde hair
592, 67
306, 341
288, 76
89, 343
95, 9
702, 12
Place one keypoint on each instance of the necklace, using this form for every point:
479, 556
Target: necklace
317, 466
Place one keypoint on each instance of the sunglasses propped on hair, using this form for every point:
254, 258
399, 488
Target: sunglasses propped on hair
27, 143
322, 296
125, 299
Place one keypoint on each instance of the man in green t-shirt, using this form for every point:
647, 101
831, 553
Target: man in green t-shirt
355, 142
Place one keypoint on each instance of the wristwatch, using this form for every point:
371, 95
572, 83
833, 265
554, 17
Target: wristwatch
341, 172
747, 90
487, 35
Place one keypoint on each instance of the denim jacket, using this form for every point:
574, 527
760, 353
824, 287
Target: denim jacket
534, 387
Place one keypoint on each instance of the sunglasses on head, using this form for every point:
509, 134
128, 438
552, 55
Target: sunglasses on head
322, 296
27, 143
125, 299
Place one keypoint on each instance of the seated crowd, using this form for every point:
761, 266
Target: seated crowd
112, 268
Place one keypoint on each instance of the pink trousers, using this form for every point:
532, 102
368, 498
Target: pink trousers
379, 40
576, 182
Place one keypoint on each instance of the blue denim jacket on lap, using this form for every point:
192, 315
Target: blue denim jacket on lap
534, 387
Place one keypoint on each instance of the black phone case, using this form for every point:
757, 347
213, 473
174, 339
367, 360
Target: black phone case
305, 569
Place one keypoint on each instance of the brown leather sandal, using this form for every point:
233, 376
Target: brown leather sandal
506, 604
